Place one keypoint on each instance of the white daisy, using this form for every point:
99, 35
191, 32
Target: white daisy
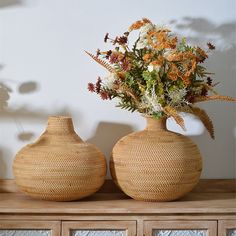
109, 80
177, 96
153, 67
150, 101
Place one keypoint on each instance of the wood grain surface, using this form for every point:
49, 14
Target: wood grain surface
204, 185
103, 203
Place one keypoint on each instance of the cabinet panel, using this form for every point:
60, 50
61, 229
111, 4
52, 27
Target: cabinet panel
227, 227
99, 228
231, 232
98, 232
29, 228
180, 228
180, 232
17, 232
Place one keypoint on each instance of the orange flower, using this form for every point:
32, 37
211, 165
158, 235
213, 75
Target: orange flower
162, 36
147, 56
189, 63
159, 61
175, 56
173, 42
168, 43
160, 40
202, 52
186, 80
191, 70
201, 55
188, 55
138, 24
151, 33
173, 74
154, 63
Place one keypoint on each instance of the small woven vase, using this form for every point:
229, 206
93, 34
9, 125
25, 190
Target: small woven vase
155, 164
59, 166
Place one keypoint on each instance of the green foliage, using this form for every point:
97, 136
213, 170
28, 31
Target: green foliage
127, 105
158, 115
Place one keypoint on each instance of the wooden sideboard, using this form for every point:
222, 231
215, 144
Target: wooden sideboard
209, 210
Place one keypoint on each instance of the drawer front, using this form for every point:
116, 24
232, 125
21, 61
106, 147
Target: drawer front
29, 228
180, 228
180, 232
227, 228
99, 228
100, 232
17, 232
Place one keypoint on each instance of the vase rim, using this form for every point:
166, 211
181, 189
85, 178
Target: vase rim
59, 117
150, 116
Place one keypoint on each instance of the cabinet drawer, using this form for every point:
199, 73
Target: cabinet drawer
227, 227
180, 228
30, 228
99, 228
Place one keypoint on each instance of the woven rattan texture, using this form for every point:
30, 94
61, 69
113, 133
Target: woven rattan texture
59, 166
156, 164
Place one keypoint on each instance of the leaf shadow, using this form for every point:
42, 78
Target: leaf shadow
107, 134
222, 63
10, 3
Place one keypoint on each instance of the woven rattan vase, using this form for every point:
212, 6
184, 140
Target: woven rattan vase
59, 166
155, 164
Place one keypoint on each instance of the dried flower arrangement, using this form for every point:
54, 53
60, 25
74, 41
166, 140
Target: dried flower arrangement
159, 76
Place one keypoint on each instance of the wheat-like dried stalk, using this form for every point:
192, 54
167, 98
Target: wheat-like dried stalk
101, 62
214, 97
210, 88
130, 93
213, 85
178, 119
185, 108
202, 115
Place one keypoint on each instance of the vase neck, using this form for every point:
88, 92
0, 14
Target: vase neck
60, 125
156, 124
59, 131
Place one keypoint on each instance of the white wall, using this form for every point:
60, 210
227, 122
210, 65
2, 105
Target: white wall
43, 42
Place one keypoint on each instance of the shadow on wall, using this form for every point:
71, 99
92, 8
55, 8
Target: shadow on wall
4, 153
223, 114
107, 134
3, 166
4, 96
7, 113
203, 28
9, 3
23, 112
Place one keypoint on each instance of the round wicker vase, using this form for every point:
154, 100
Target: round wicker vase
59, 166
155, 164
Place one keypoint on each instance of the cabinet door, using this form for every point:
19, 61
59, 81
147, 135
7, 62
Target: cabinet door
180, 228
29, 228
99, 228
227, 227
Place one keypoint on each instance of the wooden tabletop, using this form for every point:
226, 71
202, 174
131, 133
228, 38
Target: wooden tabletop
118, 203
